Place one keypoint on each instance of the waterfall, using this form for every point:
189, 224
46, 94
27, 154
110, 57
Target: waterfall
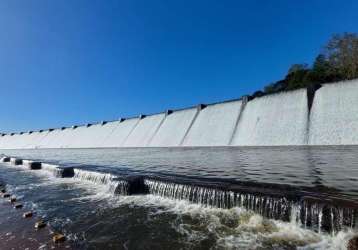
214, 125
320, 212
34, 139
334, 115
51, 140
121, 130
325, 217
111, 182
51, 168
63, 138
278, 119
327, 116
173, 128
91, 136
271, 207
15, 141
316, 215
57, 170
144, 131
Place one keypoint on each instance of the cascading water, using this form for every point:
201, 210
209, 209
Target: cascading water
114, 185
144, 131
318, 216
51, 168
214, 125
272, 120
325, 217
120, 132
93, 135
279, 119
334, 115
173, 128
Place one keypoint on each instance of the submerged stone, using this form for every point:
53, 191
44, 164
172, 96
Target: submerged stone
16, 161
40, 224
35, 165
57, 238
27, 214
353, 243
64, 171
5, 159
6, 195
135, 185
18, 206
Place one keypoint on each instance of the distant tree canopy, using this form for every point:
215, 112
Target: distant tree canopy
337, 61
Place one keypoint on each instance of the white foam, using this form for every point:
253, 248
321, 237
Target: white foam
173, 129
120, 132
92, 136
279, 119
58, 138
34, 139
144, 131
214, 125
51, 140
251, 230
334, 115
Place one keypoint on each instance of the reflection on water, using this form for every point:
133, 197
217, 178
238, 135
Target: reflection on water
319, 167
94, 218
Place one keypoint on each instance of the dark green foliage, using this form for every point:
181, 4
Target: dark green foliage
258, 93
338, 61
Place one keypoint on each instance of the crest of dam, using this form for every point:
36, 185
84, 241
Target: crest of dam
324, 114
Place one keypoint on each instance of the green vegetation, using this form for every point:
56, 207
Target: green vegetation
337, 61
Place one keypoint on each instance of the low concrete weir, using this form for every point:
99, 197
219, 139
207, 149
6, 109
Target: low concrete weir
313, 209
58, 171
113, 183
33, 165
5, 159
15, 161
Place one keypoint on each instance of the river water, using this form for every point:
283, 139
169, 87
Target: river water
196, 198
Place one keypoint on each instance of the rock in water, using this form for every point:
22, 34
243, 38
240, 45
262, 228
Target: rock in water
353, 243
57, 238
27, 214
18, 206
6, 195
40, 224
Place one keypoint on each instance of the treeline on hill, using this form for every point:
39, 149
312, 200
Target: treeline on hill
338, 61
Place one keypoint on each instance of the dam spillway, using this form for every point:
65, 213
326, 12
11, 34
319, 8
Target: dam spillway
280, 119
141, 165
334, 115
301, 205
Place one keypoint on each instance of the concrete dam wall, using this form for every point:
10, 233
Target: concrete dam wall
326, 116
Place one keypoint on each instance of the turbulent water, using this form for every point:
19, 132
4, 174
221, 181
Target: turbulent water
194, 198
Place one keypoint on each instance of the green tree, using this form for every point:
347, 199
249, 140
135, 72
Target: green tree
342, 54
321, 71
297, 76
339, 61
297, 67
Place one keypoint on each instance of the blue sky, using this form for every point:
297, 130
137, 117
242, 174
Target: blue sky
72, 62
